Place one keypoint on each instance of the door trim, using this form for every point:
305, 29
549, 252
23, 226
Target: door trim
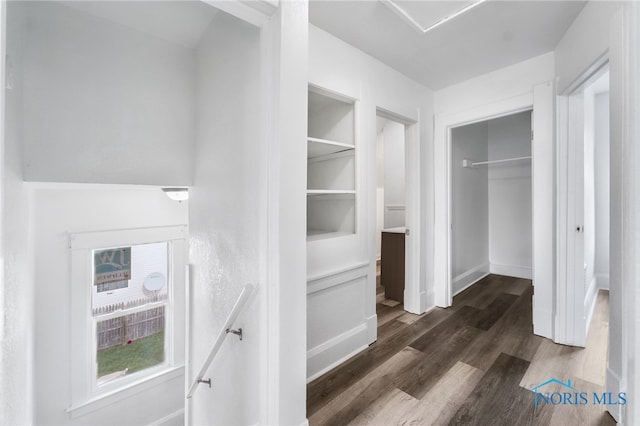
414, 292
540, 99
570, 321
444, 123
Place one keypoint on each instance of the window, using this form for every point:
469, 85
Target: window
130, 325
127, 308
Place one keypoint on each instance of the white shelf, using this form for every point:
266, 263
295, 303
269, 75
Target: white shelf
330, 118
321, 147
330, 192
331, 159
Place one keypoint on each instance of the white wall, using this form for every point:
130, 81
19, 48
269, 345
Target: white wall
121, 101
602, 182
495, 86
624, 334
510, 197
340, 67
224, 218
394, 174
616, 255
584, 42
589, 220
469, 205
16, 335
59, 210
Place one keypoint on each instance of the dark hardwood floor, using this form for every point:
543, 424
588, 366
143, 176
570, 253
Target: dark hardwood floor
471, 364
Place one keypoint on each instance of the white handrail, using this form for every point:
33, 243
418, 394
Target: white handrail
226, 328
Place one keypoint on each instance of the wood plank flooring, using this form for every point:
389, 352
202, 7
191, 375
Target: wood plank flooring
471, 364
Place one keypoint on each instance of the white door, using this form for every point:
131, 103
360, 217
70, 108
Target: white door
575, 224
543, 172
412, 298
570, 323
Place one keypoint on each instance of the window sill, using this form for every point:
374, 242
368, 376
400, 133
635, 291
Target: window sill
106, 399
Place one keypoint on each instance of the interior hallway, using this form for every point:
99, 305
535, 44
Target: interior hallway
473, 363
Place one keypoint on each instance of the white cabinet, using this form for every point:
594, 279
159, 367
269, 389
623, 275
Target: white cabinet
331, 166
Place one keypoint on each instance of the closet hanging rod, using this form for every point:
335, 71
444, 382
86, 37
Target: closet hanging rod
469, 163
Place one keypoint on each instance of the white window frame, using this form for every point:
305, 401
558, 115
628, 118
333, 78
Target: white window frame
85, 393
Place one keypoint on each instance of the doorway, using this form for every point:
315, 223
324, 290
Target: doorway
390, 210
583, 204
541, 101
491, 200
399, 140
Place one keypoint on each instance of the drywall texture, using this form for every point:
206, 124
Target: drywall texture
510, 209
16, 288
584, 42
469, 205
224, 221
121, 101
57, 212
495, 86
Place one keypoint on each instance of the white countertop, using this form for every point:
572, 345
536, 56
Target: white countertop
398, 230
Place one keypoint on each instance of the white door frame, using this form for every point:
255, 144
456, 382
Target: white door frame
414, 295
444, 123
572, 314
540, 99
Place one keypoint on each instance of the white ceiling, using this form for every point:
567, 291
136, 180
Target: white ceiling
492, 35
182, 22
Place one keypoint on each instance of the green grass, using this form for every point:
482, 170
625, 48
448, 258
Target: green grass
136, 356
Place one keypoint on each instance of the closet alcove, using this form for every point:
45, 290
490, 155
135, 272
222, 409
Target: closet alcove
491, 200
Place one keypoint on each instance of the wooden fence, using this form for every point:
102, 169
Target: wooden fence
121, 330
129, 304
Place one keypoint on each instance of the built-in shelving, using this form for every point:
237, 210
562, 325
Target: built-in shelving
330, 191
317, 148
331, 182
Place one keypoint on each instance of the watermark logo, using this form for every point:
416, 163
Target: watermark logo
566, 394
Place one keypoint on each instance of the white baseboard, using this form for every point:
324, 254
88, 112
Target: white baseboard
322, 370
335, 351
429, 300
512, 271
613, 386
173, 419
543, 321
469, 277
372, 328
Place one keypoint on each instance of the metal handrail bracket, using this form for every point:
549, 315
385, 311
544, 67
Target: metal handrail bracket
226, 329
